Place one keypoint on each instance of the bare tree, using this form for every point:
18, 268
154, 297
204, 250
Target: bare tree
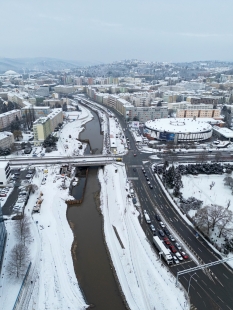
18, 260
32, 188
22, 229
216, 215
201, 219
225, 226
227, 180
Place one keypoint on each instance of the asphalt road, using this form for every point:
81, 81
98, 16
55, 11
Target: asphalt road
209, 289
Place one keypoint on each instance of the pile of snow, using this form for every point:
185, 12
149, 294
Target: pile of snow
144, 280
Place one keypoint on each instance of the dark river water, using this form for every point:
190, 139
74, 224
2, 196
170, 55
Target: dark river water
92, 132
91, 262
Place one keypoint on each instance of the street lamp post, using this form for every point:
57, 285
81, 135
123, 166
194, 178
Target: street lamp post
190, 281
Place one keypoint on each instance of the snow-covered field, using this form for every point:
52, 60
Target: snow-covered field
199, 187
144, 279
54, 282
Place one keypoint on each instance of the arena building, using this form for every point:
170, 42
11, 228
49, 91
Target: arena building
178, 129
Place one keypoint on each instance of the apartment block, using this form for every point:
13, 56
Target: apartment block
8, 117
205, 100
209, 113
37, 112
64, 89
56, 117
5, 172
44, 126
112, 99
6, 139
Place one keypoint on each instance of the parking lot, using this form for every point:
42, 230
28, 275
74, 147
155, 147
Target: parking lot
18, 191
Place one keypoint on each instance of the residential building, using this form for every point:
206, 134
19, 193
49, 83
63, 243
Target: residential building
37, 112
5, 172
44, 126
56, 117
6, 139
64, 89
203, 113
205, 100
8, 117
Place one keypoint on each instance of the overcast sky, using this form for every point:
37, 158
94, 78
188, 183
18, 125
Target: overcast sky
108, 30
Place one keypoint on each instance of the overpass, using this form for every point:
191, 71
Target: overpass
94, 160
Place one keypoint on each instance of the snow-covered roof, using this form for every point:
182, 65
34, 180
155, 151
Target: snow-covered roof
178, 125
225, 132
11, 72
3, 164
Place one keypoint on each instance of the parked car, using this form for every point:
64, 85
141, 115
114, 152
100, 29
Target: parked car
171, 238
2, 194
178, 245
151, 186
161, 233
134, 200
185, 256
28, 176
152, 228
179, 256
176, 261
162, 224
167, 232
148, 182
173, 249
166, 240
158, 218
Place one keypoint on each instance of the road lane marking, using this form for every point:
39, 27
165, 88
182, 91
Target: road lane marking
199, 249
225, 276
211, 290
220, 299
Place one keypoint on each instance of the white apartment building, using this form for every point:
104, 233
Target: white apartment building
8, 117
5, 172
64, 89
187, 106
56, 117
112, 99
6, 139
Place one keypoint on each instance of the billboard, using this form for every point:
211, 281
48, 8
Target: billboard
168, 136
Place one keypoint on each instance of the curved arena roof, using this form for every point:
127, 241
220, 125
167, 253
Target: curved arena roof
178, 125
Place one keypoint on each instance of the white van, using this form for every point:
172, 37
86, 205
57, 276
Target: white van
132, 191
147, 218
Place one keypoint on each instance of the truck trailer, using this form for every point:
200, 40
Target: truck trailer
163, 250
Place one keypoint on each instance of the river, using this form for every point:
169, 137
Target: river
90, 257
